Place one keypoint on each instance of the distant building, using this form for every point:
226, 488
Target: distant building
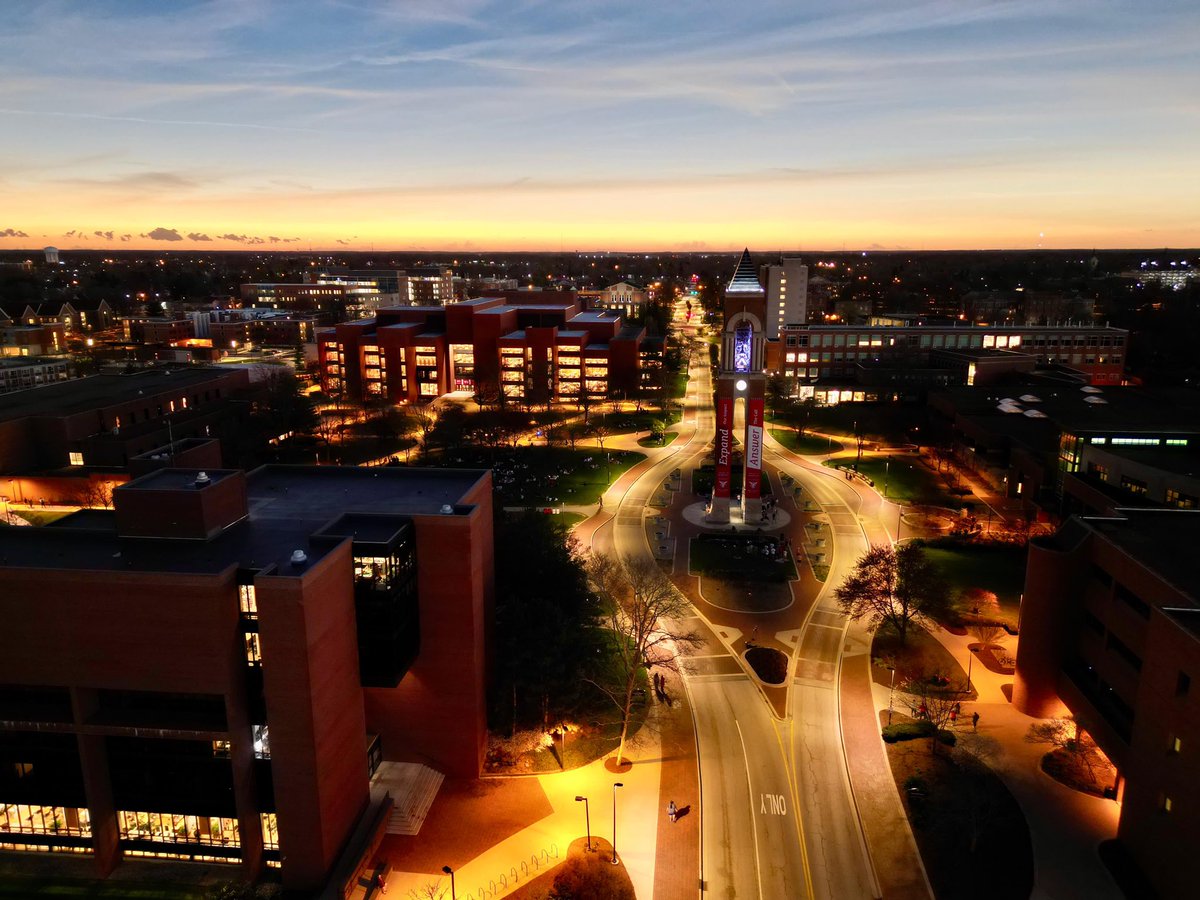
332, 299
1110, 627
623, 298
32, 340
22, 372
534, 346
240, 668
156, 329
104, 420
787, 295
833, 351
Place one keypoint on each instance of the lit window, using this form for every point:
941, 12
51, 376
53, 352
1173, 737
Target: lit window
76, 458
260, 735
1176, 744
1168, 804
247, 601
253, 649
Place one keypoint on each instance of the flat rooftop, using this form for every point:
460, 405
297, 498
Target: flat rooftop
287, 505
66, 398
1125, 410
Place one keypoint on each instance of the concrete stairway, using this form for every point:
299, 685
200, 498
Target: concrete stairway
413, 788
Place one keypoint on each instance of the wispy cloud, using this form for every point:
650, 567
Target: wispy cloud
13, 233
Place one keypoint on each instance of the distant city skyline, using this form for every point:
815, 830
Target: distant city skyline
454, 125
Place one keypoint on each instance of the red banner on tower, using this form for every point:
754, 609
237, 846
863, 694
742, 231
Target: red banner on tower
724, 446
754, 447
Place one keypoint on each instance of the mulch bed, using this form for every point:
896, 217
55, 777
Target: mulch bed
987, 656
1066, 770
1001, 866
921, 655
618, 878
769, 664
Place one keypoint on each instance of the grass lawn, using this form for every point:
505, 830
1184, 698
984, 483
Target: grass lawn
626, 422
677, 386
718, 556
905, 478
999, 569
651, 441
39, 516
949, 800
920, 656
569, 519
808, 444
702, 481
543, 476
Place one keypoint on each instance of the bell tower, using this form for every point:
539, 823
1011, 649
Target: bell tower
741, 376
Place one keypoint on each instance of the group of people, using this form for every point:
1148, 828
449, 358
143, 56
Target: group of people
660, 687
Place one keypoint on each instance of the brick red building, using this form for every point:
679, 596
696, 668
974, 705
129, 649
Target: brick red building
534, 346
1110, 627
104, 420
214, 669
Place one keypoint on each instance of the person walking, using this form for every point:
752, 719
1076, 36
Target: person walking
975, 721
672, 810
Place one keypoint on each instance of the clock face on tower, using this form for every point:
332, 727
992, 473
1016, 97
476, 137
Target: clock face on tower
742, 343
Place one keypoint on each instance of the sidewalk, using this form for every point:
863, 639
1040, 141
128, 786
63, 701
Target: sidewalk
1066, 826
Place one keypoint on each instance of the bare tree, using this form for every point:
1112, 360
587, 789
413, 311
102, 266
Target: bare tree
933, 705
1064, 733
642, 617
430, 890
893, 586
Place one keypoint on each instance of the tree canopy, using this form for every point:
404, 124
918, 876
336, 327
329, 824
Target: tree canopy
893, 586
546, 641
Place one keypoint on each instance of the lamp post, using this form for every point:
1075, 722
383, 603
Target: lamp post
970, 662
587, 820
887, 471
891, 692
616, 784
449, 871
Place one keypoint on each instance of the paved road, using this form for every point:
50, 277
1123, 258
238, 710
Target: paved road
777, 817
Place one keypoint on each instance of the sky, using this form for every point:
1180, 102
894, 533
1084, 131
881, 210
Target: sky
589, 125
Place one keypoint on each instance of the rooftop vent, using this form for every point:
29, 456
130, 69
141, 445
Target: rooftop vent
447, 509
202, 479
299, 557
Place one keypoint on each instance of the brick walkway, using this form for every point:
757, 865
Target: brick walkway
677, 866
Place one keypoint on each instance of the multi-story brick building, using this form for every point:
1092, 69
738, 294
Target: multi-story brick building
533, 347
214, 669
20, 373
1110, 627
811, 352
104, 420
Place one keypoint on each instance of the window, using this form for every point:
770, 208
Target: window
1167, 804
1098, 471
247, 601
1133, 601
1133, 485
58, 820
1119, 647
75, 458
253, 649
270, 831
260, 735
176, 828
1183, 684
1176, 744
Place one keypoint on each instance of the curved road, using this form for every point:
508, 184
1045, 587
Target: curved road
778, 817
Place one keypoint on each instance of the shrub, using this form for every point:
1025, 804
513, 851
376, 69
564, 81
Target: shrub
590, 875
768, 663
907, 731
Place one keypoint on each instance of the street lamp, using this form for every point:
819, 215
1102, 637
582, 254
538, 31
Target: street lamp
891, 692
587, 819
449, 871
887, 471
616, 784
